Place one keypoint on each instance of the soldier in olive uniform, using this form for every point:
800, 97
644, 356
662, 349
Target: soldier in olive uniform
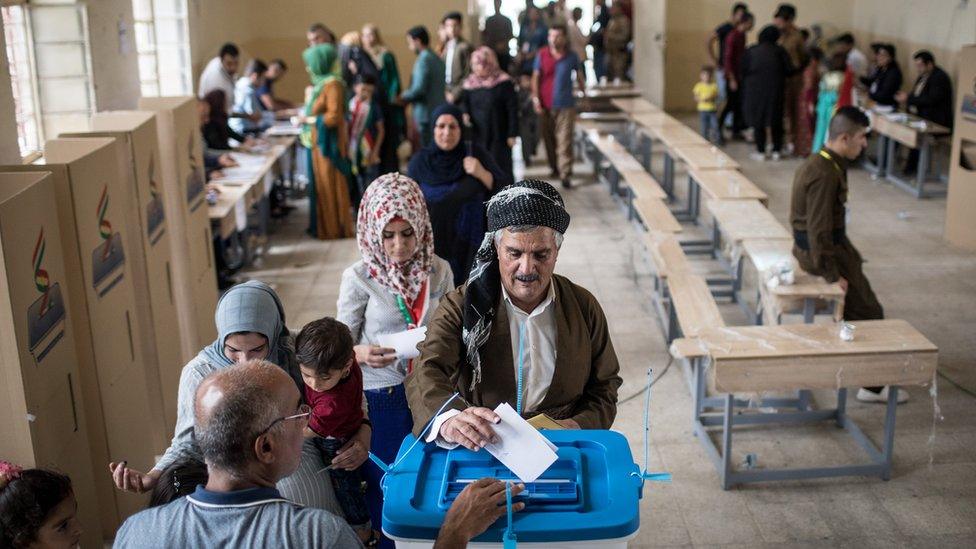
818, 212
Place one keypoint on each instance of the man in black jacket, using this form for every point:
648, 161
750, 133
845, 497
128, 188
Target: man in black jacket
930, 98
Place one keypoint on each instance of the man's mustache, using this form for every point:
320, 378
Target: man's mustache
526, 277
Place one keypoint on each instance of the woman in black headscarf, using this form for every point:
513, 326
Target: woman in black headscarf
456, 177
765, 67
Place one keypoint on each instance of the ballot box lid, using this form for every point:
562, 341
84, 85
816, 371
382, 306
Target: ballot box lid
590, 493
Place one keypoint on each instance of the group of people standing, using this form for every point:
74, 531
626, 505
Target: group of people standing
790, 83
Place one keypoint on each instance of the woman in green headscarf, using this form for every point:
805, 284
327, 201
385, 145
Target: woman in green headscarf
326, 137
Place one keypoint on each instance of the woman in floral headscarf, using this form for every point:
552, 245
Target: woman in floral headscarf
396, 286
325, 134
490, 105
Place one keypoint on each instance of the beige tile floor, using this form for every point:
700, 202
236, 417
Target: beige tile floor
930, 501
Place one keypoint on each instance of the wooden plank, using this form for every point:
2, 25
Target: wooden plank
608, 93
905, 128
634, 105
742, 219
642, 184
688, 347
705, 157
656, 216
693, 304
727, 185
223, 213
602, 116
653, 121
824, 372
666, 254
815, 340
672, 136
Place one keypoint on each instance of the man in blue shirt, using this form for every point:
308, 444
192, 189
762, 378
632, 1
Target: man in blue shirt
249, 423
247, 100
552, 97
426, 83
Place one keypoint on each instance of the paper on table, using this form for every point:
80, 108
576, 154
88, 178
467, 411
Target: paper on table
521, 447
405, 343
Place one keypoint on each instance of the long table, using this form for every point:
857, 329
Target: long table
760, 359
916, 133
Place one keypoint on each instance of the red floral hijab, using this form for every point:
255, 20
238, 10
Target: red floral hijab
389, 197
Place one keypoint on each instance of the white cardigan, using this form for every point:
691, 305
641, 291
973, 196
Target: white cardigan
369, 310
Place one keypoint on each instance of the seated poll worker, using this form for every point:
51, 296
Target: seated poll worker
248, 423
515, 325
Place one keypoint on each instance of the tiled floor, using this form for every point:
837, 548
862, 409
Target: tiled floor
930, 502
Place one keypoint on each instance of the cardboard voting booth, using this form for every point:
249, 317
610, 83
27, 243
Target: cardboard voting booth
149, 246
961, 200
589, 497
42, 414
183, 182
124, 406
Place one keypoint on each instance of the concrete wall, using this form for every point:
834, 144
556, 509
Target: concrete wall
690, 22
214, 22
915, 24
650, 17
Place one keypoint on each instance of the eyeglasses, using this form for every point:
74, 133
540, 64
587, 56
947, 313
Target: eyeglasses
304, 411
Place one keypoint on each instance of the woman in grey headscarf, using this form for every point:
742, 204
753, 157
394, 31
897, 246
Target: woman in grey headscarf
250, 325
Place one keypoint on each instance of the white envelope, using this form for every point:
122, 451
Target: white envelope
521, 447
405, 343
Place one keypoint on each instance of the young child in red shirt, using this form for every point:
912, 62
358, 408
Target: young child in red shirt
334, 391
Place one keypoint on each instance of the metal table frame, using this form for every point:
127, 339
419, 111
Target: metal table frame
917, 185
727, 419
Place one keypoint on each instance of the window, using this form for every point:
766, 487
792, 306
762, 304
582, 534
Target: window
50, 70
162, 40
16, 33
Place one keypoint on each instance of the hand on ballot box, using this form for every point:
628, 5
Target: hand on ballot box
226, 161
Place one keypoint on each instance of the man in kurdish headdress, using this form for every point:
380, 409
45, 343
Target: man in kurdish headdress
516, 333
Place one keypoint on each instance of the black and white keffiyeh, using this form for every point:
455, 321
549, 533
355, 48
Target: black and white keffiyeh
528, 202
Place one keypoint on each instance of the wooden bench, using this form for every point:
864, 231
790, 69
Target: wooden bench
672, 137
801, 357
703, 158
807, 294
720, 184
634, 105
736, 220
655, 215
693, 309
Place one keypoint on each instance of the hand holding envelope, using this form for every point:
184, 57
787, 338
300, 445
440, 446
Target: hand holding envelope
405, 343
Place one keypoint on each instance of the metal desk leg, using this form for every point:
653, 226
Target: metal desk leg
890, 157
716, 239
841, 406
669, 175
645, 152
882, 155
727, 442
630, 204
889, 432
924, 159
809, 309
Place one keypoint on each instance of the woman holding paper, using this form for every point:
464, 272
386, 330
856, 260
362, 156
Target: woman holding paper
395, 287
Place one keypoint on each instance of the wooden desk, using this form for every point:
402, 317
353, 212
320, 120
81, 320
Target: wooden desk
726, 184
801, 356
738, 220
224, 215
693, 309
803, 295
705, 157
656, 216
673, 137
915, 133
634, 105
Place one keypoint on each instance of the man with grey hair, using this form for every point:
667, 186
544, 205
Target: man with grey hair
249, 422
516, 333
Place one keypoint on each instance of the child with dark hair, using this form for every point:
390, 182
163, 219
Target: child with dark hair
334, 391
37, 509
366, 133
178, 480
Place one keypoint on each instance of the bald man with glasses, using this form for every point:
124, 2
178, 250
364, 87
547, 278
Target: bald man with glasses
249, 425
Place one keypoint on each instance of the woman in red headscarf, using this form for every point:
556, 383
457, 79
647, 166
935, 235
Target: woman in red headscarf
395, 286
490, 105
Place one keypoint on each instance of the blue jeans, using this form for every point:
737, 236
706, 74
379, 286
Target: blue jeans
348, 485
392, 422
708, 122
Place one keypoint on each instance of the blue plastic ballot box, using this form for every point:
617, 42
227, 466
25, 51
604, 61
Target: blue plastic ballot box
588, 498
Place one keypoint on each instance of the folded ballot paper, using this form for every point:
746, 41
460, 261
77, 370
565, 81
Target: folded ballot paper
405, 343
521, 447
